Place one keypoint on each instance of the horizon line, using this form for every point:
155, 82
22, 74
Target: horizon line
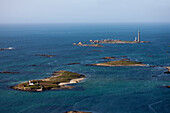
91, 23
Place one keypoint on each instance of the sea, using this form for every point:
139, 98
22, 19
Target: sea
106, 89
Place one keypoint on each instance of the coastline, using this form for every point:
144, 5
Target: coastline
72, 81
119, 63
59, 80
100, 64
168, 68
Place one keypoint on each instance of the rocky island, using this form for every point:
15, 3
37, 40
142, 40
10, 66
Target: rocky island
119, 63
9, 48
92, 45
119, 41
59, 80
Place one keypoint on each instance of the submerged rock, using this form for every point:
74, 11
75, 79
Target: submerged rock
45, 55
95, 51
77, 112
109, 58
74, 63
8, 72
167, 86
126, 59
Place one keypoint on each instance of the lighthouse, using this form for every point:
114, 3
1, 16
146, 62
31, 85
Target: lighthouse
138, 36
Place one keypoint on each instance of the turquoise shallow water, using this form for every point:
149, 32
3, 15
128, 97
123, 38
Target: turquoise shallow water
106, 89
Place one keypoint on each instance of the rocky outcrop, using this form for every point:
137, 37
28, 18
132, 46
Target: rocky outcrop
74, 63
9, 48
8, 72
118, 63
91, 45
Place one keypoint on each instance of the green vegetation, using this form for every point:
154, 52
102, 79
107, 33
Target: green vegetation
49, 83
122, 62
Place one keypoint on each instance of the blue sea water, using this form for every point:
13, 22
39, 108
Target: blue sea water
106, 89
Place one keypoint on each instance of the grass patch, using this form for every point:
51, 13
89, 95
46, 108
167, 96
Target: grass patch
122, 62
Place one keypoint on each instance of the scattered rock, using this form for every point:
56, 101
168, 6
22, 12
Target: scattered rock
95, 51
8, 72
153, 66
91, 45
9, 48
74, 63
45, 55
149, 56
89, 64
109, 58
123, 56
167, 86
77, 112
167, 72
125, 59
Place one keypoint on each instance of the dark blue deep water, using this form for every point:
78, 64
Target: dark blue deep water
106, 89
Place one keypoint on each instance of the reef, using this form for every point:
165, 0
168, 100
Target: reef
45, 55
92, 45
9, 48
58, 80
8, 72
167, 86
74, 63
77, 112
109, 58
119, 63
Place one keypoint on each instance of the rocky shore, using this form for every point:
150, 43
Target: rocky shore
109, 58
59, 80
116, 41
92, 45
168, 68
119, 63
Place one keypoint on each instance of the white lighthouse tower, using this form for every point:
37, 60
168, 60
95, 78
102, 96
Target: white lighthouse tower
138, 36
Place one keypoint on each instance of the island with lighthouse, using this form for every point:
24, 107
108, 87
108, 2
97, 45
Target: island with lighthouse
97, 43
137, 40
